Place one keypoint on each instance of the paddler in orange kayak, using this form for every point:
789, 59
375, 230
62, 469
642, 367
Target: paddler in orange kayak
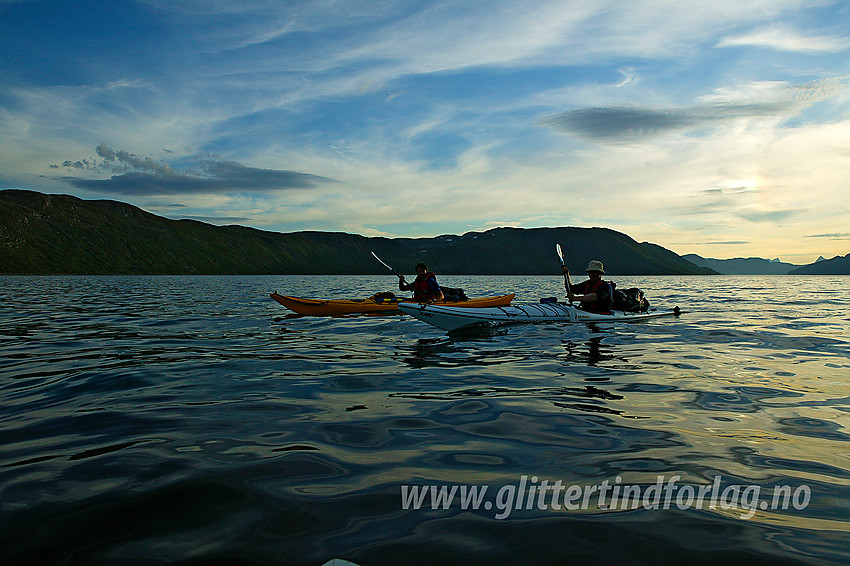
425, 288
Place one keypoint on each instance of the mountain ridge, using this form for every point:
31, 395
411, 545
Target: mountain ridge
838, 265
62, 234
743, 266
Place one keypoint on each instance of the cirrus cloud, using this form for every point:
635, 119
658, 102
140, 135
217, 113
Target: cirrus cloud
785, 39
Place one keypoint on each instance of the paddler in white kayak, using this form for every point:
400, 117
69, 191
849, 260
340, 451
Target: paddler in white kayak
593, 295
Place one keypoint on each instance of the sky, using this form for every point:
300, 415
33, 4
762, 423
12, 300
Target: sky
718, 128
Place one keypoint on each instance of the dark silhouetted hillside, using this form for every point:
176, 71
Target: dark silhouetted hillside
61, 234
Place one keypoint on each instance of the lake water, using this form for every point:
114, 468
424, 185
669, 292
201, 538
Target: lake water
193, 420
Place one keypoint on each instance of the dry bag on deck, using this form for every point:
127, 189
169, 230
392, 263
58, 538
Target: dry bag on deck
452, 294
630, 300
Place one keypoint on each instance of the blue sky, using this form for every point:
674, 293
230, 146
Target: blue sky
720, 128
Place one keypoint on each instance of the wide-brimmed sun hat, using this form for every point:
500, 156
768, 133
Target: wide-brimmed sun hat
595, 265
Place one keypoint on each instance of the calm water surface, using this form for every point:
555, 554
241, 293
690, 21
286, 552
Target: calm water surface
193, 420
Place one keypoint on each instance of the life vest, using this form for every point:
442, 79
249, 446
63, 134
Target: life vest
421, 290
597, 306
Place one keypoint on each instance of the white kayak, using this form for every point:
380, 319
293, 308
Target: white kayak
453, 318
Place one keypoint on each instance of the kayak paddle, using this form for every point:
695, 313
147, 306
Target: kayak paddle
387, 266
566, 275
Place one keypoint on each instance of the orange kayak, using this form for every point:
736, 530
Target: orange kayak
337, 307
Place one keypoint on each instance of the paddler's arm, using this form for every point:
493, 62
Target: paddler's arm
438, 293
589, 298
568, 286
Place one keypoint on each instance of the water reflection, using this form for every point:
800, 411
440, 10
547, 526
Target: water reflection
290, 435
590, 352
485, 346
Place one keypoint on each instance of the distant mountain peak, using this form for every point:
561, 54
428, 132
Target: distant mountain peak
835, 266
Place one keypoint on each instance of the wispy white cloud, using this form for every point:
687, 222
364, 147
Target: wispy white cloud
628, 77
784, 38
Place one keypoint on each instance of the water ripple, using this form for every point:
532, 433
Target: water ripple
193, 419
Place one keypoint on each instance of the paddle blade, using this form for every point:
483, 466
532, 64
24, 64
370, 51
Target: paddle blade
384, 264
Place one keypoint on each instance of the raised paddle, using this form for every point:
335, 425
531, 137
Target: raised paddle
388, 267
567, 274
